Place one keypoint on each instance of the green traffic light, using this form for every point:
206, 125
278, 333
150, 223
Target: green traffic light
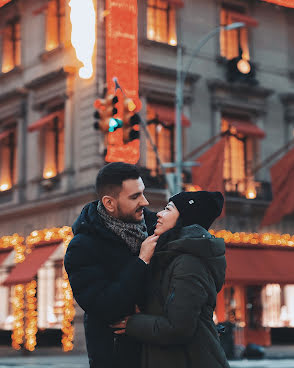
114, 124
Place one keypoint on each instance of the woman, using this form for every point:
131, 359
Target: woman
188, 270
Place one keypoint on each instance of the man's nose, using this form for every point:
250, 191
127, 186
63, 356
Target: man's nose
144, 201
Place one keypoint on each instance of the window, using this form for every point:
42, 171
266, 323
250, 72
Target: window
7, 159
11, 46
240, 150
233, 43
55, 24
52, 141
161, 22
163, 138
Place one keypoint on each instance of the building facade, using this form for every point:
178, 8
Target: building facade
50, 152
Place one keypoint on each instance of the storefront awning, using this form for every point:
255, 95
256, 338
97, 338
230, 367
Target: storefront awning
6, 133
246, 128
176, 3
3, 2
165, 114
4, 253
43, 121
27, 270
264, 265
286, 3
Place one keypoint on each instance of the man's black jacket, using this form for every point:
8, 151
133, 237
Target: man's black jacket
107, 281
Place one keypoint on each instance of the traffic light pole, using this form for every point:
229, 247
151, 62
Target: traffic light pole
181, 78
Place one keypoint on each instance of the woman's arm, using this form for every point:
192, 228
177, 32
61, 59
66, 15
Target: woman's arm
187, 295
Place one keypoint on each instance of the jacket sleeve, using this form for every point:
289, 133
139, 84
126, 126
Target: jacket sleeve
110, 300
187, 295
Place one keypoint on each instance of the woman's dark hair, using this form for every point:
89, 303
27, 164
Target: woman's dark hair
110, 178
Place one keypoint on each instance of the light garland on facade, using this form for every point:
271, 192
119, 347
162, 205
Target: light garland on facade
64, 235
17, 242
18, 331
18, 299
31, 327
268, 239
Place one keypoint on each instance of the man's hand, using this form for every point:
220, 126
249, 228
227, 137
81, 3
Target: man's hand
121, 325
147, 248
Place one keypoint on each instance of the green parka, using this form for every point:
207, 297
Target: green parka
177, 328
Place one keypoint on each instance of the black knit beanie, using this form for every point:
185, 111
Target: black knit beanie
200, 207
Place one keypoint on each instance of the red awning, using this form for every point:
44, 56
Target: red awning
43, 121
4, 253
5, 134
286, 3
252, 265
27, 270
3, 2
239, 17
165, 114
176, 3
246, 128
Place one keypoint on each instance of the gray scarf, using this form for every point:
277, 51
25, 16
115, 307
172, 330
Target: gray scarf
132, 233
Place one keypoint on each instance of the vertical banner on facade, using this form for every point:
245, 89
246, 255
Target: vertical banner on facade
122, 62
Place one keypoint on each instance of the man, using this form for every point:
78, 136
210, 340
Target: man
107, 263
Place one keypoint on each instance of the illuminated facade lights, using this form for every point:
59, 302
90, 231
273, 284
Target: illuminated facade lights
64, 235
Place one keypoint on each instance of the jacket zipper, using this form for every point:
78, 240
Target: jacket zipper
170, 299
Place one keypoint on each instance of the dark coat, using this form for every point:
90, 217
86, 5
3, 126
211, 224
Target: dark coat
177, 326
107, 281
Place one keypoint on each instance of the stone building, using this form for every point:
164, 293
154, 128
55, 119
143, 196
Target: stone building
50, 153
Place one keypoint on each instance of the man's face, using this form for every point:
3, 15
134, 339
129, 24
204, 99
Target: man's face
131, 201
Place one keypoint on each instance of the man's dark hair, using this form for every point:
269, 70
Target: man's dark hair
110, 178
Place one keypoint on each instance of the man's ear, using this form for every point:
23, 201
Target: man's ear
109, 203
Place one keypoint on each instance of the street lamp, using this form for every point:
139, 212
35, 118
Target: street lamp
181, 77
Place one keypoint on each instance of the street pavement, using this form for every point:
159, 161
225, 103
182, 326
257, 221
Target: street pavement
264, 363
62, 361
81, 361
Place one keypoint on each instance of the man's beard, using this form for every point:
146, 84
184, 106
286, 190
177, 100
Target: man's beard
129, 218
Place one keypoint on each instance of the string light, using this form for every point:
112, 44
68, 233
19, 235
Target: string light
31, 316
269, 239
17, 243
18, 317
64, 235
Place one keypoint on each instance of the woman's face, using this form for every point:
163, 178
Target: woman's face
166, 219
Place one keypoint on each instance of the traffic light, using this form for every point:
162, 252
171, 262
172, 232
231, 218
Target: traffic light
240, 69
104, 114
130, 120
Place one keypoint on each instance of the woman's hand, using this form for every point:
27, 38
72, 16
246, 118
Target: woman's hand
148, 247
121, 325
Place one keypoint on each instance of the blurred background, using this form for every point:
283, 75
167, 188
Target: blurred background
201, 106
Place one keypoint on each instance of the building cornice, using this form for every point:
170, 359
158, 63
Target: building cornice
239, 96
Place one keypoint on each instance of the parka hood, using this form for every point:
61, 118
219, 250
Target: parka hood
198, 242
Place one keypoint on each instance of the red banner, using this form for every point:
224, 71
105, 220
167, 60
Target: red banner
286, 3
122, 62
3, 2
282, 174
209, 175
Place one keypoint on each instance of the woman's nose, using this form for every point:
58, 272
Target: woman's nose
158, 214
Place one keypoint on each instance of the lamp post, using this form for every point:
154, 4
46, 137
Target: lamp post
181, 77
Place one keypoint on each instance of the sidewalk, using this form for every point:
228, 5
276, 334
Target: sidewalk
280, 352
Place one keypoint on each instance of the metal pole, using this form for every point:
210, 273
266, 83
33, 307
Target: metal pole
179, 107
181, 77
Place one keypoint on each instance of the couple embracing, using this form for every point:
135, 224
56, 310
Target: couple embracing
147, 282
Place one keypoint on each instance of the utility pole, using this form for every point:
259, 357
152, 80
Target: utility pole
181, 78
